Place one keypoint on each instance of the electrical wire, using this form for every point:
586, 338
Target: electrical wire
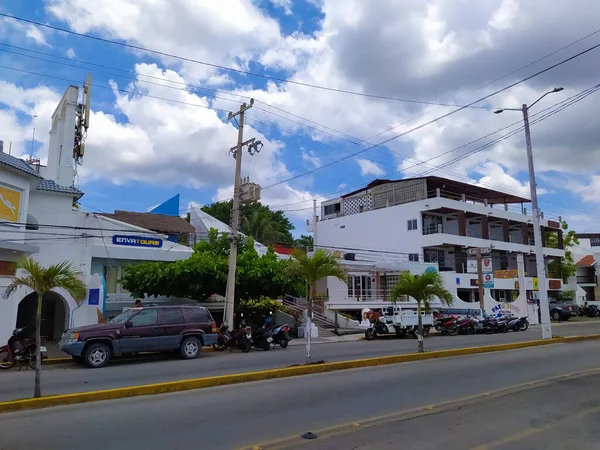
229, 69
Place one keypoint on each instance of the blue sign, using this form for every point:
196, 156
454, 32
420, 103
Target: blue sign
431, 269
137, 241
94, 297
488, 280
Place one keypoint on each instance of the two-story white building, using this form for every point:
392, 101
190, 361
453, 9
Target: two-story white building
40, 218
429, 223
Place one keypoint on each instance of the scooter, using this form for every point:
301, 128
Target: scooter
20, 350
281, 336
241, 339
447, 325
263, 337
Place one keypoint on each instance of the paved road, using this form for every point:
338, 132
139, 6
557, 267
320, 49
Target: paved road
248, 414
74, 378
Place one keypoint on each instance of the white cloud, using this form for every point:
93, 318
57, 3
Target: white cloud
286, 5
369, 168
310, 158
36, 34
71, 53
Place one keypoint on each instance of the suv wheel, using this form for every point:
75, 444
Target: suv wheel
96, 355
556, 315
190, 347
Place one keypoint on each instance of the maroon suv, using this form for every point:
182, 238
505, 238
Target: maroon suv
182, 329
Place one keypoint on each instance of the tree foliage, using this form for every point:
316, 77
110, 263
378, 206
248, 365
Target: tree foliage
42, 280
423, 288
205, 273
256, 220
563, 268
304, 242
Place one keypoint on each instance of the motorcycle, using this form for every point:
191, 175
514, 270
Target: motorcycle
589, 310
281, 336
241, 339
263, 337
447, 325
19, 350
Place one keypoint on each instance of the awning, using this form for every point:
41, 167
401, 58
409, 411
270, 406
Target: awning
18, 247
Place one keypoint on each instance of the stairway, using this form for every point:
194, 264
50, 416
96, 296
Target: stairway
325, 325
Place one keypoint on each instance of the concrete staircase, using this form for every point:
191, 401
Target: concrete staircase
325, 325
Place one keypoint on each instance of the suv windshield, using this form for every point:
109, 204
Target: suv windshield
123, 317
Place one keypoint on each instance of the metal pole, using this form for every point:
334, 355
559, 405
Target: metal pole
480, 281
235, 219
315, 219
537, 233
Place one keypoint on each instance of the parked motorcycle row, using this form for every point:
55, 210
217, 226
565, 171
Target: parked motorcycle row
20, 350
589, 311
500, 323
244, 338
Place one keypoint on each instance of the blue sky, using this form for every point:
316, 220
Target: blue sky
143, 149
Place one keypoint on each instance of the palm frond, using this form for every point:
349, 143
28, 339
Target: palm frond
423, 288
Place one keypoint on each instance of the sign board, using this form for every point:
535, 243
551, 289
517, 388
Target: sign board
486, 265
536, 285
473, 251
555, 285
488, 280
471, 265
137, 241
10, 204
506, 274
94, 297
8, 268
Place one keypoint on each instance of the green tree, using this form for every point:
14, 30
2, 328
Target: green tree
205, 273
42, 280
423, 288
312, 269
253, 221
565, 267
304, 242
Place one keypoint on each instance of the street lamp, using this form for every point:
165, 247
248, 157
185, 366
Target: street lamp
537, 231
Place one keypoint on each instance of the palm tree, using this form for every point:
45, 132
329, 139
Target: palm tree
312, 269
42, 280
261, 226
423, 288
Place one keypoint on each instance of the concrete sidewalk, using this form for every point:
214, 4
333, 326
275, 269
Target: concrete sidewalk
329, 340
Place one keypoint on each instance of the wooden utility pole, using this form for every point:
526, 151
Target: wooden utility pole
235, 216
480, 280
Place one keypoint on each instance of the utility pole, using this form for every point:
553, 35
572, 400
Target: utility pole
537, 234
315, 219
235, 214
480, 281
537, 231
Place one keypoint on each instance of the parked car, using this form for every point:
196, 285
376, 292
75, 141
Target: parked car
181, 329
562, 311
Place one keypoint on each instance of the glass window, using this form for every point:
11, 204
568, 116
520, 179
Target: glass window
413, 257
111, 275
198, 315
145, 318
123, 317
170, 316
412, 224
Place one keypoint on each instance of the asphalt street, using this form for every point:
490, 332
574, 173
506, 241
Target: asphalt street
69, 378
250, 414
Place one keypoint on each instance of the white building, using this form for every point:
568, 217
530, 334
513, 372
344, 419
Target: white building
39, 218
586, 256
428, 224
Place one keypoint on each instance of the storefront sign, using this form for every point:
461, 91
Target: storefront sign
8, 268
10, 204
505, 274
536, 285
137, 241
488, 280
486, 265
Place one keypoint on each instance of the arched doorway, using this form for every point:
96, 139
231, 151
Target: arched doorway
54, 315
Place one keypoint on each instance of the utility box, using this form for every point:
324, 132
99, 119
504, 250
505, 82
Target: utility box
249, 192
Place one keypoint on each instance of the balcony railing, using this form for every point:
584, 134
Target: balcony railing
586, 279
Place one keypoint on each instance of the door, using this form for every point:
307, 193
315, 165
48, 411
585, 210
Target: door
142, 336
170, 327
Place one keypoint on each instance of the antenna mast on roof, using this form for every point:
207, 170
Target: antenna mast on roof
82, 121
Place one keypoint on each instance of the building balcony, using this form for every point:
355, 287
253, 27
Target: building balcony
590, 280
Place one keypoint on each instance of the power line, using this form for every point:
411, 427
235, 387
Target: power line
230, 69
443, 116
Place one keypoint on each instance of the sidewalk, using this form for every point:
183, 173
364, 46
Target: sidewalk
328, 340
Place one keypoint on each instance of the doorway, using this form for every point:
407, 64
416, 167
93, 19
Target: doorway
54, 315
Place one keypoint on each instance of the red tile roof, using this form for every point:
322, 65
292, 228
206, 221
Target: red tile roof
586, 261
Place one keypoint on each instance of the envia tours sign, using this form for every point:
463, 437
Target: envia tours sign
137, 241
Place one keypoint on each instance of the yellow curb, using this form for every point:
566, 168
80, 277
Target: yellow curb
224, 380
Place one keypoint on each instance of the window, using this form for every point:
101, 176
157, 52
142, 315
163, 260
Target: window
145, 318
412, 224
198, 315
170, 316
595, 242
332, 209
413, 257
111, 275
